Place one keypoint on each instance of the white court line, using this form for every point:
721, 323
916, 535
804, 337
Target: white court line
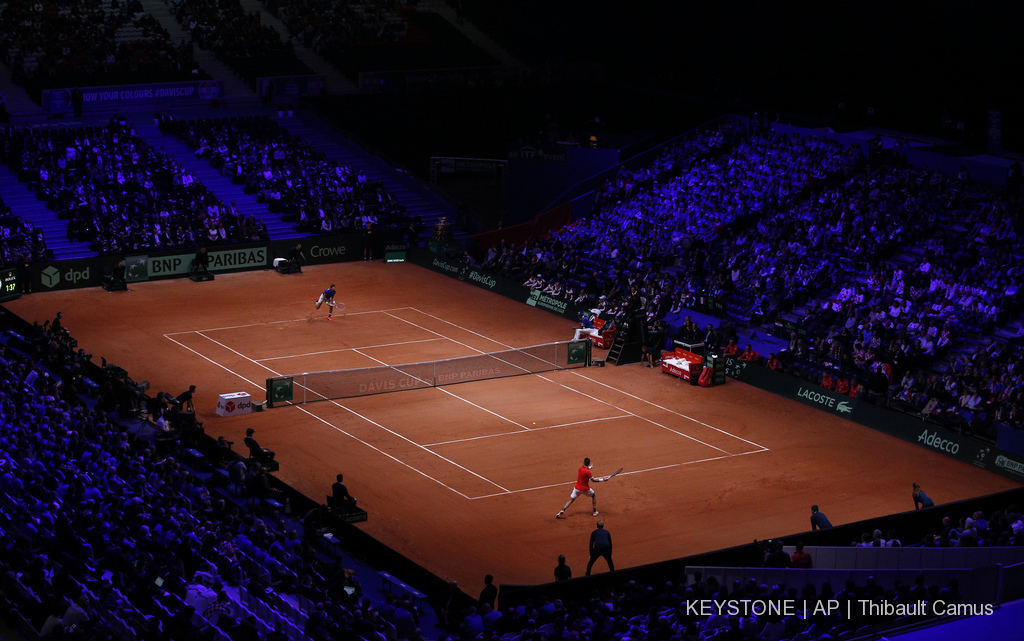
397, 368
690, 418
532, 429
411, 442
377, 449
442, 336
462, 328
344, 408
347, 349
664, 427
469, 347
168, 337
393, 433
575, 372
441, 389
650, 469
294, 320
509, 347
492, 412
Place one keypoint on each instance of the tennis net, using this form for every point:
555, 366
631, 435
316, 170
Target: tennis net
348, 383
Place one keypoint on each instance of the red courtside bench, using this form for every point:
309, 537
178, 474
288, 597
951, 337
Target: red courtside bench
606, 337
677, 363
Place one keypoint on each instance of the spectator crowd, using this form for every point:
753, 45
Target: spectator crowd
897, 275
292, 177
105, 532
75, 43
238, 37
119, 194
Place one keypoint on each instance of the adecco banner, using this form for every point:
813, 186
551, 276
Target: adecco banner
495, 283
927, 435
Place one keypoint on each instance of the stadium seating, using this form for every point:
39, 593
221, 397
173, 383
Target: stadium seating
896, 275
151, 203
320, 195
100, 43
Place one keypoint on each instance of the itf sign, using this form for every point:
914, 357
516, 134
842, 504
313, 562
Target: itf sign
235, 403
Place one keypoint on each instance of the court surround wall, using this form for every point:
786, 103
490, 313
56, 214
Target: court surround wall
902, 426
175, 263
495, 283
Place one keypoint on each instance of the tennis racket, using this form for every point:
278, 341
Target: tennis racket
338, 307
611, 476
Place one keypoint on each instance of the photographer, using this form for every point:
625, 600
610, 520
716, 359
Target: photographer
223, 451
775, 556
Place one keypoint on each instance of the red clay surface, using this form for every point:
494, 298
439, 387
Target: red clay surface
466, 479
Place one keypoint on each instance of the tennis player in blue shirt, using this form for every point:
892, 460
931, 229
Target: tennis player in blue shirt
328, 298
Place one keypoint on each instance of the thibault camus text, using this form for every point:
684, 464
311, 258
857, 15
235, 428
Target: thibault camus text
865, 607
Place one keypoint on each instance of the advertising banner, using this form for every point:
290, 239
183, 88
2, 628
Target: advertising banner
902, 426
497, 284
280, 390
58, 101
394, 252
234, 404
136, 268
227, 259
292, 85
68, 274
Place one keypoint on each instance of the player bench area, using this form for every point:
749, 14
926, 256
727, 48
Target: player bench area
682, 363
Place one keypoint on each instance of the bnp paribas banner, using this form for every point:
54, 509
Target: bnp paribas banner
136, 268
221, 260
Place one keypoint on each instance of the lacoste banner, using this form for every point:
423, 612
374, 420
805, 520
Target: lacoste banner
926, 435
825, 399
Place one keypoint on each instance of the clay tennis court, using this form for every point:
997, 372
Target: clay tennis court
466, 479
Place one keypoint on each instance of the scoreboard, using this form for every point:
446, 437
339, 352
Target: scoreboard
10, 284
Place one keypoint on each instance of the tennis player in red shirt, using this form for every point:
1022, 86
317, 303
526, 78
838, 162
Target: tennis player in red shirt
583, 479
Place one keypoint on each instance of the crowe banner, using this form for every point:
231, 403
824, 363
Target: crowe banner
927, 435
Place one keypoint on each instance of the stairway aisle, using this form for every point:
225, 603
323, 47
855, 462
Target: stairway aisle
337, 83
23, 203
220, 185
235, 88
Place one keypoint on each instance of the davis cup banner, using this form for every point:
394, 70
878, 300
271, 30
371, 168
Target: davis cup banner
58, 101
